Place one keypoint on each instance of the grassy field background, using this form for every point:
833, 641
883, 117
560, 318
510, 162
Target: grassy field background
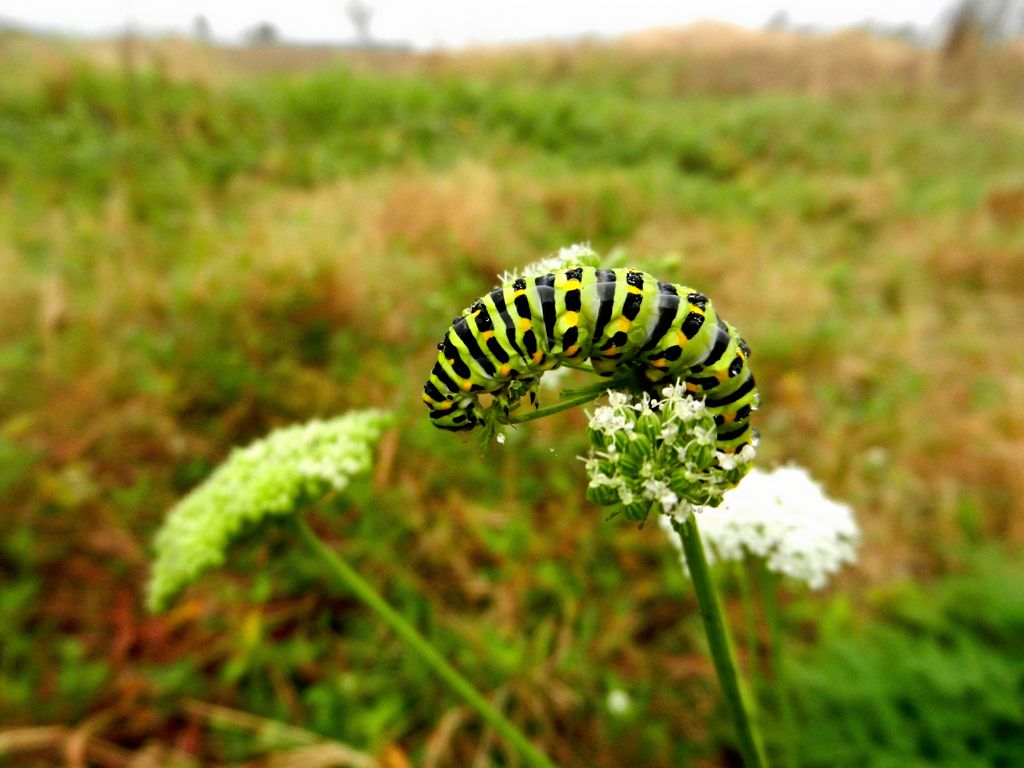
198, 245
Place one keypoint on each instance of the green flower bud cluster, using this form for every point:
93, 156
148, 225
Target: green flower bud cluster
273, 477
659, 456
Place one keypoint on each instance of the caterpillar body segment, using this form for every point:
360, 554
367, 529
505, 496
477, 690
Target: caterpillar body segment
611, 317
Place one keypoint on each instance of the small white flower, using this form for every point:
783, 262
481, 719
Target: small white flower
617, 399
566, 257
658, 490
682, 405
706, 435
576, 253
600, 478
673, 391
608, 419
619, 702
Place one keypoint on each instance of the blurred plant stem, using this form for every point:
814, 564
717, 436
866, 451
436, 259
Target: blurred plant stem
736, 698
741, 573
282, 737
340, 570
781, 680
562, 405
571, 398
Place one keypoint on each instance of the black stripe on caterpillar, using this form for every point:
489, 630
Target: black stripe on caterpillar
614, 318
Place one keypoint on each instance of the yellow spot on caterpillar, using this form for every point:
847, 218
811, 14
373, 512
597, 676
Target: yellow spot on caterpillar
427, 399
572, 285
633, 289
525, 324
729, 418
505, 370
537, 357
487, 335
661, 362
623, 324
467, 385
572, 350
722, 375
681, 339
691, 387
610, 351
517, 294
571, 318
446, 405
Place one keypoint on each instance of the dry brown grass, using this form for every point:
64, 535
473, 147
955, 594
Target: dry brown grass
706, 57
729, 59
448, 216
718, 58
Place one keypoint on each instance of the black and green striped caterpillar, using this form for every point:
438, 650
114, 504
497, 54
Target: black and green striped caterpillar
614, 317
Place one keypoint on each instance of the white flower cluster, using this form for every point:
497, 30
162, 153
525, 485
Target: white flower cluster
786, 519
573, 255
658, 456
272, 477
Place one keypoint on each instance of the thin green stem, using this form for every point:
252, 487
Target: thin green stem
598, 388
340, 570
773, 615
571, 398
736, 698
578, 366
750, 638
562, 405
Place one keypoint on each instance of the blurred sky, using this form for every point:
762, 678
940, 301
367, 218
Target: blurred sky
450, 23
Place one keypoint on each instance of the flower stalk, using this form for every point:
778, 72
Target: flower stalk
736, 698
362, 589
780, 678
569, 398
743, 582
564, 404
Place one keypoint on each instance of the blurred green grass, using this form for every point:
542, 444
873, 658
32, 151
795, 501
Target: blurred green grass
188, 263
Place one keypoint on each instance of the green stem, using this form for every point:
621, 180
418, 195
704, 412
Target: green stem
578, 366
421, 646
571, 398
599, 388
749, 621
562, 405
736, 699
774, 618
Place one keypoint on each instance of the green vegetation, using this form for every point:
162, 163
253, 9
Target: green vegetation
936, 679
188, 264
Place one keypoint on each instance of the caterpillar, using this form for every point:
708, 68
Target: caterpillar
614, 318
